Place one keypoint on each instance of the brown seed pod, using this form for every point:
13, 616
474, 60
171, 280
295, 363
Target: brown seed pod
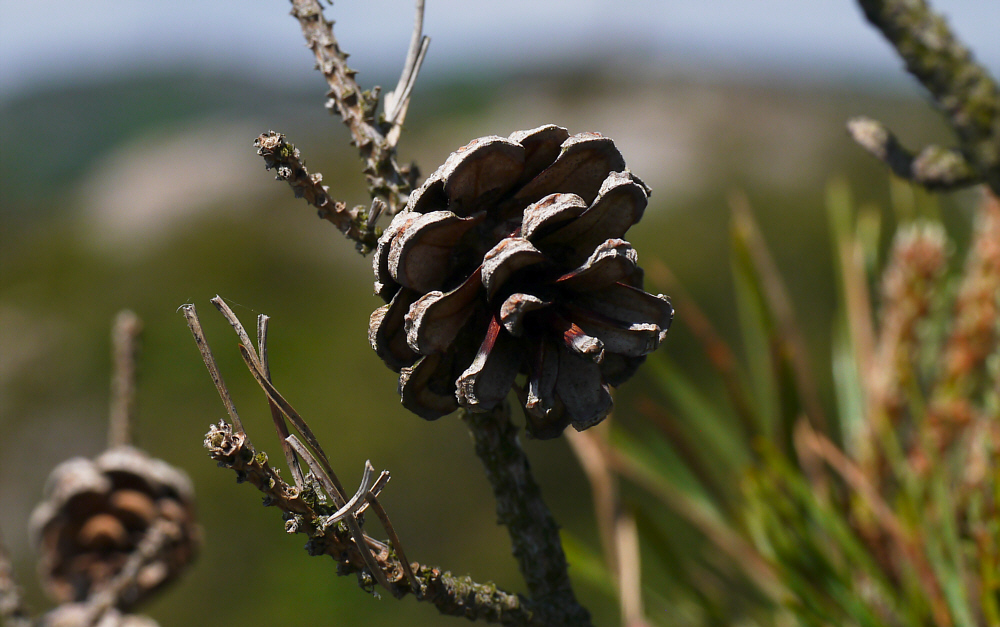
509, 262
95, 513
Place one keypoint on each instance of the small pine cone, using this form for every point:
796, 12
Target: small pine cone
509, 261
96, 512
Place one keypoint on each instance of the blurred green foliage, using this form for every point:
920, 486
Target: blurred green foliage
884, 511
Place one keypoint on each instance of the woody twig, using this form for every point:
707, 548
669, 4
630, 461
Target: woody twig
319, 507
375, 134
533, 531
124, 340
962, 88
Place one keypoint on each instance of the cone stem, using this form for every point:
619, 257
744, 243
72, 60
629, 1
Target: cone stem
533, 531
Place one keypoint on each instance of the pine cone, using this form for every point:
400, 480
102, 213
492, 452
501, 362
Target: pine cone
509, 261
96, 512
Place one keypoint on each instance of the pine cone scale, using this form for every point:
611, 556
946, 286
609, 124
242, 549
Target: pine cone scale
481, 171
387, 334
419, 386
628, 305
436, 318
541, 147
583, 163
489, 378
611, 262
581, 388
420, 256
516, 307
550, 213
619, 205
507, 257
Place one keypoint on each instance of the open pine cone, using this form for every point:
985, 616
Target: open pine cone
509, 260
96, 512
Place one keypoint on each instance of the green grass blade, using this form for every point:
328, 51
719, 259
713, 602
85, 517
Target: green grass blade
775, 345
711, 428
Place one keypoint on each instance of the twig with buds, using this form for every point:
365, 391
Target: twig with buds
337, 530
356, 223
376, 136
935, 167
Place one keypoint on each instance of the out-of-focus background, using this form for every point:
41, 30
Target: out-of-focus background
128, 180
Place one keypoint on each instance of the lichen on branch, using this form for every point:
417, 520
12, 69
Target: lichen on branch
962, 88
305, 511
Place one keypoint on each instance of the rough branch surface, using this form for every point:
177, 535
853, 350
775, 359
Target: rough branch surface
961, 87
304, 513
533, 531
386, 179
286, 160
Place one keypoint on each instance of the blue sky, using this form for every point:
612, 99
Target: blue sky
64, 40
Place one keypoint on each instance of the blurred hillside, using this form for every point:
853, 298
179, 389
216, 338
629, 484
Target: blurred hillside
145, 192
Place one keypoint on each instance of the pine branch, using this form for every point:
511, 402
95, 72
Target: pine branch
320, 509
936, 167
125, 340
305, 513
533, 531
285, 158
963, 89
376, 140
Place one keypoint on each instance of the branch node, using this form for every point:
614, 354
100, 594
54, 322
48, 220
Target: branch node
935, 167
286, 159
